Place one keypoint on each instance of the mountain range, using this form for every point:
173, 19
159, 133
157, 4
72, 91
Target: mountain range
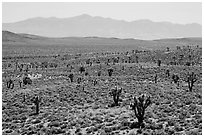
89, 26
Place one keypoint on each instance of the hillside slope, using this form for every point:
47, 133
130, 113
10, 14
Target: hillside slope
10, 38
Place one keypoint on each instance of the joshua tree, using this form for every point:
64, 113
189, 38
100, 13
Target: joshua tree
167, 73
16, 65
178, 48
189, 57
71, 77
191, 79
10, 84
174, 60
27, 69
86, 74
36, 66
181, 59
20, 68
99, 73
108, 61
24, 97
159, 62
44, 65
117, 59
175, 78
82, 69
79, 80
116, 92
110, 72
129, 59
139, 105
136, 58
98, 61
123, 68
155, 78
20, 83
188, 64
95, 82
90, 64
167, 49
122, 60
88, 61
36, 101
53, 65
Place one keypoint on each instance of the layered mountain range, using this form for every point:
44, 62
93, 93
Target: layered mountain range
89, 26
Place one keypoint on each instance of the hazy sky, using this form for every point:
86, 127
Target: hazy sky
182, 13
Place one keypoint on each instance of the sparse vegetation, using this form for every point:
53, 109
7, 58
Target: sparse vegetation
79, 101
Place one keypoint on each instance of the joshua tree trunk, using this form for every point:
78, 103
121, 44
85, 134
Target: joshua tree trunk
37, 108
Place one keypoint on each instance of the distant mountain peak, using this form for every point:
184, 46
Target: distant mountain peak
85, 25
83, 16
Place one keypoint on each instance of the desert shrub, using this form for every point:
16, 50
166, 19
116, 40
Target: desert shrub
138, 106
